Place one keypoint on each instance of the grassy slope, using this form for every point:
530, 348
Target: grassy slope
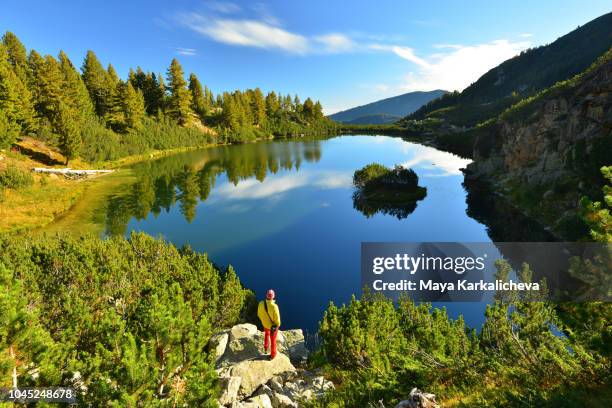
38, 204
74, 204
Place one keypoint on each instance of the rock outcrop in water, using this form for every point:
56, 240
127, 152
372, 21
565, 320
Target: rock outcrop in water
546, 153
248, 379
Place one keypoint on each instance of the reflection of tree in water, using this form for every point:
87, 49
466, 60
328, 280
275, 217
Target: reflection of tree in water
504, 223
189, 178
371, 207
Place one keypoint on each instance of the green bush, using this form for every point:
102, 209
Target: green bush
370, 172
8, 131
378, 351
376, 175
14, 177
132, 316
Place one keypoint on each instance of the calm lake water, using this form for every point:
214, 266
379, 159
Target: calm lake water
282, 214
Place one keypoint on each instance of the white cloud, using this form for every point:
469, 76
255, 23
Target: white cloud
454, 68
335, 42
408, 54
223, 7
249, 33
526, 35
188, 52
461, 66
275, 185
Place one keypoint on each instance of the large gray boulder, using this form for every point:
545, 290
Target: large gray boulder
218, 343
229, 389
256, 372
244, 342
293, 344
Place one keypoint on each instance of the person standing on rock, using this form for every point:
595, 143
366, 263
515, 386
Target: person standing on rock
268, 313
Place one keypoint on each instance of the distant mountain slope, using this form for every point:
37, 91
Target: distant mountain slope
375, 119
398, 106
523, 75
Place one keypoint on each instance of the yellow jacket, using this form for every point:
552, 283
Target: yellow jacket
272, 317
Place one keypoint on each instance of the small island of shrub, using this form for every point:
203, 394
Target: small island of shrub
389, 191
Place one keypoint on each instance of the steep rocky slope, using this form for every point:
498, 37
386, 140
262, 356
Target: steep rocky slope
545, 152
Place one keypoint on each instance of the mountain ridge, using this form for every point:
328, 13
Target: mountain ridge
393, 107
522, 76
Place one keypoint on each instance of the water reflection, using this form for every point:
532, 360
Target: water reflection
436, 162
370, 207
504, 222
188, 178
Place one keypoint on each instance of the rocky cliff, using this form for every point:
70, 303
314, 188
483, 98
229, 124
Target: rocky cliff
546, 152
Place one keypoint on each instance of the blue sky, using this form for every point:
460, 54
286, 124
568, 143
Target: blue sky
343, 53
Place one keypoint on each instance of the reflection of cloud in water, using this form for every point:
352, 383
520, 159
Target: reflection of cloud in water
425, 157
237, 208
428, 158
274, 186
333, 179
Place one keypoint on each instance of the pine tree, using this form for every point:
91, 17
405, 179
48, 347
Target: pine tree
318, 110
115, 116
47, 83
297, 104
36, 65
128, 108
198, 103
230, 116
112, 77
113, 84
231, 299
16, 55
97, 83
150, 90
138, 79
69, 136
209, 99
258, 107
308, 109
75, 95
161, 97
287, 104
133, 106
24, 344
179, 101
272, 104
15, 103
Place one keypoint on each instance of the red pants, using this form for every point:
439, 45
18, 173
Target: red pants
270, 340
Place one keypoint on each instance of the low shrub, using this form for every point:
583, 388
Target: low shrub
14, 177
